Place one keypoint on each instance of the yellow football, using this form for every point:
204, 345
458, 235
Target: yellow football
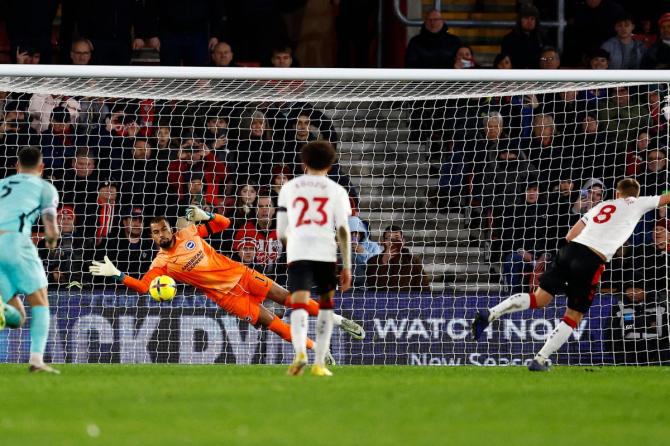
163, 288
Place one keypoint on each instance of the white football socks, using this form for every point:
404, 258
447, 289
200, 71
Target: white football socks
36, 359
514, 303
324, 331
337, 319
299, 330
556, 339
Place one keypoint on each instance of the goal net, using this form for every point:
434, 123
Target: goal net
463, 191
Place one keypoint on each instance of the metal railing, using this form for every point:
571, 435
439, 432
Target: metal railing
559, 23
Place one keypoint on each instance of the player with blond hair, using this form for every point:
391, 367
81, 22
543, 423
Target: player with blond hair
576, 269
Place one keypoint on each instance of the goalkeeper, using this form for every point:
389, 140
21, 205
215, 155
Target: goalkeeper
239, 290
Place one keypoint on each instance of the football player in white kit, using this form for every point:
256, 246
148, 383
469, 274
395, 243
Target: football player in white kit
577, 267
313, 213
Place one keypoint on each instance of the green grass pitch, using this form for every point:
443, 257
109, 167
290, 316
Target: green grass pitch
259, 405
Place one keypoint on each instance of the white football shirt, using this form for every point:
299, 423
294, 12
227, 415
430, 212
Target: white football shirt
610, 223
315, 207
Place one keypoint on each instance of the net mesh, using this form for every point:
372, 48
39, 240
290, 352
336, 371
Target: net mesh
482, 179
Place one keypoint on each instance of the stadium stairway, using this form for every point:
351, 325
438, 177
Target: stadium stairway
393, 177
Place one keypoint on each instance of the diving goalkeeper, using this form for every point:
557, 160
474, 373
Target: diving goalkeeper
239, 290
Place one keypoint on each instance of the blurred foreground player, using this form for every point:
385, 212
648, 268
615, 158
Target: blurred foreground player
313, 212
237, 289
24, 197
576, 269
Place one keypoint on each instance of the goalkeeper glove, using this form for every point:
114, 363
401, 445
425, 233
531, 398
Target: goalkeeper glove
195, 214
106, 269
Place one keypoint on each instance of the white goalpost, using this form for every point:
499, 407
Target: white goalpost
464, 185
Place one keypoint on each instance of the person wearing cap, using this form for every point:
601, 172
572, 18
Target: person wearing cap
65, 264
245, 251
127, 243
658, 56
625, 53
525, 42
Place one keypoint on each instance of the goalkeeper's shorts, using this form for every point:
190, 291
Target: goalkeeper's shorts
21, 270
245, 298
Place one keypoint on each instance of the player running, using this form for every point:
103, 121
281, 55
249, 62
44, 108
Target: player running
24, 197
239, 290
576, 270
313, 211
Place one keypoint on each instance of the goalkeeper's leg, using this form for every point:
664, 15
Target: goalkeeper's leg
283, 297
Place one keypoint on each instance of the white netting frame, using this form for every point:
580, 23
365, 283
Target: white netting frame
401, 91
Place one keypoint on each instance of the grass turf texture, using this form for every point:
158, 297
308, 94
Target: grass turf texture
258, 405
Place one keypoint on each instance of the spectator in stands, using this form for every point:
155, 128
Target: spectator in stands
182, 35
646, 34
623, 117
593, 25
590, 155
525, 42
65, 264
549, 59
464, 58
502, 61
591, 194
245, 251
41, 105
216, 133
363, 249
635, 153
144, 181
58, 141
565, 109
28, 54
559, 208
222, 55
434, 47
245, 205
625, 53
15, 132
545, 149
166, 145
132, 251
658, 56
523, 230
252, 157
654, 179
599, 59
280, 176
395, 268
118, 136
296, 137
497, 186
81, 52
107, 25
108, 211
189, 162
269, 249
79, 189
282, 57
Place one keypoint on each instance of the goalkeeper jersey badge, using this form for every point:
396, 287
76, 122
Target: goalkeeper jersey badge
190, 245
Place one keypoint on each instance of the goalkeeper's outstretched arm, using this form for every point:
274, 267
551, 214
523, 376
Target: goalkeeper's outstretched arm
107, 269
211, 223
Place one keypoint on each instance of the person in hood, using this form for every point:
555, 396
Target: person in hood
434, 47
363, 248
525, 42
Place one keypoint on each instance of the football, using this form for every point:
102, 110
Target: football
163, 288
